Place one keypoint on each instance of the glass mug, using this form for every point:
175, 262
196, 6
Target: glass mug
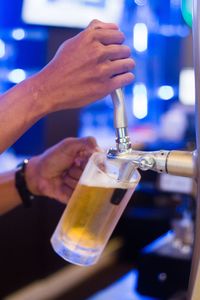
97, 203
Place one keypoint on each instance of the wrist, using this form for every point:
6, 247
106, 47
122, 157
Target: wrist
50, 89
21, 185
32, 175
39, 96
25, 187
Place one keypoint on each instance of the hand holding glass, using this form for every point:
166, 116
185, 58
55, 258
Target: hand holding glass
94, 209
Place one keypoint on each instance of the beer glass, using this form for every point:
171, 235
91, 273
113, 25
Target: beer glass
94, 209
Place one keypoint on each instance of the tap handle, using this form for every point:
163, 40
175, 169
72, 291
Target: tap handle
120, 118
123, 143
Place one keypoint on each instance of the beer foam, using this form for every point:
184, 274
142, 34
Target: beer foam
100, 172
106, 181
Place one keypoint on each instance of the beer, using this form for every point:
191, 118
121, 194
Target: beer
91, 215
81, 224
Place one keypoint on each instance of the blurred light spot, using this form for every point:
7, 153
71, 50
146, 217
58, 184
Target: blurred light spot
140, 37
18, 34
2, 48
140, 2
140, 103
172, 30
166, 92
162, 277
17, 75
187, 86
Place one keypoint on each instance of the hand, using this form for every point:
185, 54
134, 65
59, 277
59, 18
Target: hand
86, 68
56, 172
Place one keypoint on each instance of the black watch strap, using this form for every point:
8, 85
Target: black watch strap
21, 186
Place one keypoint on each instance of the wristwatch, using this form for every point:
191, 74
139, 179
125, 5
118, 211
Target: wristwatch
21, 185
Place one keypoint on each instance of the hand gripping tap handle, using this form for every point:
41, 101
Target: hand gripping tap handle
180, 163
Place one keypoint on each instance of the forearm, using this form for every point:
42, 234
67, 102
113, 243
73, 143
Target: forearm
9, 197
85, 68
20, 108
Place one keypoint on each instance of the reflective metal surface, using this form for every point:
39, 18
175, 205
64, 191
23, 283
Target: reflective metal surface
123, 143
179, 163
194, 286
182, 163
172, 161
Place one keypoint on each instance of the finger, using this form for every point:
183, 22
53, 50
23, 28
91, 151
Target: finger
81, 144
89, 142
81, 162
63, 155
117, 52
71, 182
122, 80
107, 37
89, 147
67, 190
65, 194
122, 66
75, 172
70, 147
96, 24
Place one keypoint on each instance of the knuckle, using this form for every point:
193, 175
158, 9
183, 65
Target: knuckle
93, 35
98, 52
106, 69
101, 73
101, 52
94, 23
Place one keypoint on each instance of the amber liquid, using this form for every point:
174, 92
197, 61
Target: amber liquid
88, 220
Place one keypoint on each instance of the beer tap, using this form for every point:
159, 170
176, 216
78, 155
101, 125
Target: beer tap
174, 162
180, 163
123, 143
